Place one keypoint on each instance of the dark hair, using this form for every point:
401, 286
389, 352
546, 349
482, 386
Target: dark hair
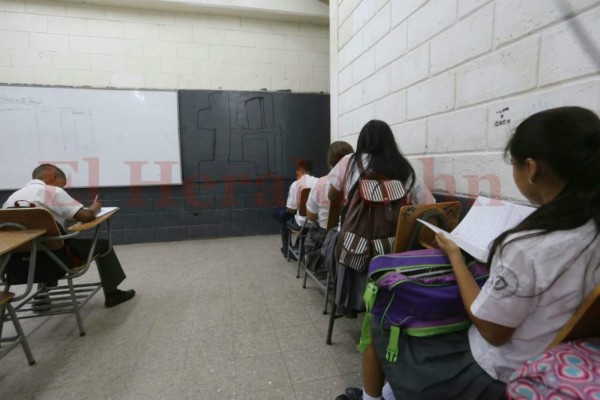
304, 165
336, 151
567, 140
377, 140
43, 170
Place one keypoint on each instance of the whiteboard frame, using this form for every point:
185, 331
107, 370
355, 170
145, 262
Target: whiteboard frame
17, 173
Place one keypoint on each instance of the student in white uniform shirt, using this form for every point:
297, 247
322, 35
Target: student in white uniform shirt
540, 271
317, 207
304, 180
46, 190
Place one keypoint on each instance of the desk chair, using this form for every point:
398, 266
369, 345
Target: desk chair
66, 299
333, 220
297, 247
5, 300
410, 236
584, 323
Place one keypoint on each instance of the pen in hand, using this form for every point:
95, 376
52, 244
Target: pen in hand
96, 206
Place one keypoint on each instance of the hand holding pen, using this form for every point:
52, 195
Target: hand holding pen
96, 205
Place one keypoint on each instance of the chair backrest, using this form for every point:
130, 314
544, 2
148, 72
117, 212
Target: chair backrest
303, 199
32, 218
410, 236
584, 323
333, 218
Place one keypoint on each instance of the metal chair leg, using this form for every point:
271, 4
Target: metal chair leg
2, 320
289, 244
332, 318
76, 308
20, 334
327, 286
305, 275
300, 243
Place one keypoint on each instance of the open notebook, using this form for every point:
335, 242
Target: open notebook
484, 222
105, 210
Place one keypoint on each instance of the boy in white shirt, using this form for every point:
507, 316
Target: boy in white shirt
304, 180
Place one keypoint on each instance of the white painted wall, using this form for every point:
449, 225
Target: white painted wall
453, 77
62, 43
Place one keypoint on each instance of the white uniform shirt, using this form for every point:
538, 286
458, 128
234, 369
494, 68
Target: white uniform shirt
318, 202
419, 193
52, 198
535, 285
293, 200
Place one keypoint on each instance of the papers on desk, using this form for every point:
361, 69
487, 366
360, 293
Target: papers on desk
484, 222
105, 210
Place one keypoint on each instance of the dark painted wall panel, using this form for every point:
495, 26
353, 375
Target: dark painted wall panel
238, 136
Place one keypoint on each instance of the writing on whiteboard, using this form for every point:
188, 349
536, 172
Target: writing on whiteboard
19, 100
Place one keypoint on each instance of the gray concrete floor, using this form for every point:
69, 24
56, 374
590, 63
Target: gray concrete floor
212, 319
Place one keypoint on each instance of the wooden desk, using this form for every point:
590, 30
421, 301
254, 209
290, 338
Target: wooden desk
65, 299
83, 226
10, 240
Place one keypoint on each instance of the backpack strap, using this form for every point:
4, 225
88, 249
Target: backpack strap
361, 169
18, 204
365, 332
392, 350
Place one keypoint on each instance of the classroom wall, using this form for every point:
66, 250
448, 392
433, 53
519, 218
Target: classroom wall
56, 43
453, 77
68, 44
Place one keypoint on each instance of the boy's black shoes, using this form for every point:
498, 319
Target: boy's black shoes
118, 296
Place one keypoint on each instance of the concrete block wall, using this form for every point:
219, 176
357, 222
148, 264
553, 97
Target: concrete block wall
72, 44
69, 44
454, 77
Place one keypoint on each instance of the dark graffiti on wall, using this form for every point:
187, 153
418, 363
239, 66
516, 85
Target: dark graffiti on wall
227, 135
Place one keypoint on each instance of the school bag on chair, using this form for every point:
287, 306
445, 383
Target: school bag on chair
415, 293
369, 221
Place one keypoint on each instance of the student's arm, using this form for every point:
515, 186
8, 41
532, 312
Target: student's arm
314, 200
334, 195
420, 194
494, 333
336, 181
87, 214
291, 203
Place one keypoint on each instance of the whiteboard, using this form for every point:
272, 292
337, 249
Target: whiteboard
98, 137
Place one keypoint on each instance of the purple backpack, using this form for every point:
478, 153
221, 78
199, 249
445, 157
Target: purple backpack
415, 293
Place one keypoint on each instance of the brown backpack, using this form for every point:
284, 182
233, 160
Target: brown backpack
369, 221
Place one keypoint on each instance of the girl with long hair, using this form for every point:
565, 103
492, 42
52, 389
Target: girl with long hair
540, 271
377, 154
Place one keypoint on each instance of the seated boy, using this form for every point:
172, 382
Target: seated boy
304, 180
46, 190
